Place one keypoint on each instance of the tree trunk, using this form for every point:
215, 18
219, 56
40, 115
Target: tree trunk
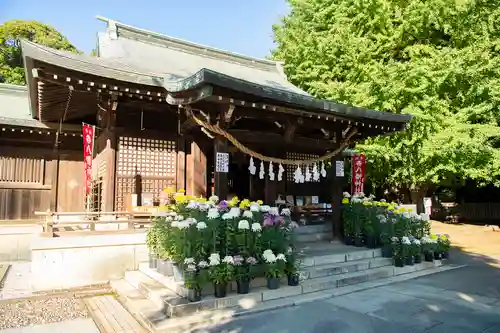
417, 198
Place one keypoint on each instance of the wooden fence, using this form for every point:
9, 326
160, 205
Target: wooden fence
55, 224
486, 212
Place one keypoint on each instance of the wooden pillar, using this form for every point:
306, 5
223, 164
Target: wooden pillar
54, 189
220, 181
338, 183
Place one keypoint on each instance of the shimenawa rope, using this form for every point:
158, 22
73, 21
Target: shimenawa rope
246, 150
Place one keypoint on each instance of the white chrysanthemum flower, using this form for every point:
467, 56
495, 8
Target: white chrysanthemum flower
169, 218
281, 256
175, 224
416, 242
183, 224
424, 217
188, 261
214, 199
286, 212
214, 259
274, 211
425, 240
179, 217
346, 195
289, 250
405, 240
191, 268
254, 207
203, 207
203, 264
256, 227
248, 214
270, 258
265, 208
226, 216
243, 225
201, 225
394, 239
406, 214
191, 220
234, 212
228, 260
382, 218
213, 213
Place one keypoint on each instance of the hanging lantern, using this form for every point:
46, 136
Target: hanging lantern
308, 174
262, 171
252, 167
316, 174
280, 172
323, 170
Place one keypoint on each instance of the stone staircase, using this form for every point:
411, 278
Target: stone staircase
156, 300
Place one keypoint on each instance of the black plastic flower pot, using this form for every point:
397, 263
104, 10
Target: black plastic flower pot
371, 242
387, 251
399, 262
348, 240
429, 256
409, 261
194, 295
446, 255
220, 290
358, 241
165, 267
437, 255
293, 280
242, 287
153, 261
273, 283
418, 259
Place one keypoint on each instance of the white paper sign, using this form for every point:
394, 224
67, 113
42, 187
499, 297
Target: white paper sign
222, 162
339, 168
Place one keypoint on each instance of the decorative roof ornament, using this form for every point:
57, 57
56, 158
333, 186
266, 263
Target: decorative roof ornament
280, 172
323, 170
271, 171
252, 168
262, 171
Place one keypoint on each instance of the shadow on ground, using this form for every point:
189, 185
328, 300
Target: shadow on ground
466, 299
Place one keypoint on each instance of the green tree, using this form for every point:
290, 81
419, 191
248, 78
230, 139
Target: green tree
435, 59
11, 34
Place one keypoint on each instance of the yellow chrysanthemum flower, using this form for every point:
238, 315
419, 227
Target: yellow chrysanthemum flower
345, 201
169, 190
260, 202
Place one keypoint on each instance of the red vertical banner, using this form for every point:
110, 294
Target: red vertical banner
358, 173
88, 154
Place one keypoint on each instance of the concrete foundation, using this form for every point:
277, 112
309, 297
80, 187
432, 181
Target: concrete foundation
75, 261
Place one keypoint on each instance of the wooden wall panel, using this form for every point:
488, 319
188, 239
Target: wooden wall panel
196, 171
70, 196
16, 204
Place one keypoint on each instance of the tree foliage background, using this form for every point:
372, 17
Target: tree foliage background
11, 33
436, 59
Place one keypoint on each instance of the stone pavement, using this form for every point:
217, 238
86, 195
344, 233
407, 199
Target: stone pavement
71, 326
466, 299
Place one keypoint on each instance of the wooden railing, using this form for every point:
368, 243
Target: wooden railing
483, 212
50, 221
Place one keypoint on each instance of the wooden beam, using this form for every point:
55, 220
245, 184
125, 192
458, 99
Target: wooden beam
290, 129
245, 136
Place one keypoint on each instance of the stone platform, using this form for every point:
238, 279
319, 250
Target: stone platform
328, 268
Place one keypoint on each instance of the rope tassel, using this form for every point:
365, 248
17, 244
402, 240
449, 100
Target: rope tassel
262, 171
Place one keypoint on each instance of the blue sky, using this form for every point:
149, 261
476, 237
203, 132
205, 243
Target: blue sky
239, 26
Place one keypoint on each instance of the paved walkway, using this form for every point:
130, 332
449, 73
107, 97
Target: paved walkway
71, 326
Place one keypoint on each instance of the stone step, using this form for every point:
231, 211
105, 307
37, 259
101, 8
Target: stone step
312, 229
313, 272
187, 317
155, 291
319, 257
313, 237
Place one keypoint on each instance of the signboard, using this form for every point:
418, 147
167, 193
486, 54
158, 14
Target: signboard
339, 168
222, 162
358, 173
88, 154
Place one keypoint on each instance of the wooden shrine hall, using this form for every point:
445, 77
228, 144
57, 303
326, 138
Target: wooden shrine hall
168, 112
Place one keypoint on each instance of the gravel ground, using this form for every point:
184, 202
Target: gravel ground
40, 311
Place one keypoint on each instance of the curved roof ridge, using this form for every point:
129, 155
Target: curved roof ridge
243, 59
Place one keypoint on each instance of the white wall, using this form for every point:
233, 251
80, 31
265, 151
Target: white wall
76, 261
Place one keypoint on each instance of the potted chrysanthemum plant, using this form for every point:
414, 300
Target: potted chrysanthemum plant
443, 247
398, 252
274, 267
417, 250
220, 272
406, 243
195, 276
292, 267
428, 247
245, 269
